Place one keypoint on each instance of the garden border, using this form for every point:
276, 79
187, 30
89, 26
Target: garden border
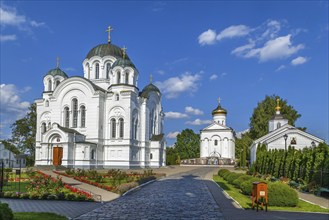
228, 195
139, 186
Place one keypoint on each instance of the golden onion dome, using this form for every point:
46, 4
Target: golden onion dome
219, 111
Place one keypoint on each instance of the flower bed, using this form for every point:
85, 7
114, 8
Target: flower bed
43, 186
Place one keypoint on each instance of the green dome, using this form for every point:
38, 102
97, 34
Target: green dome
108, 49
57, 72
124, 63
149, 88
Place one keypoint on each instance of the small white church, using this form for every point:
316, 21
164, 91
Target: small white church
281, 135
100, 120
217, 141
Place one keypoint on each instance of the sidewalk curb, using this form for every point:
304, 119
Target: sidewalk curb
137, 187
312, 203
228, 196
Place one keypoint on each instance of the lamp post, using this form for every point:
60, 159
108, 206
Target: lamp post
285, 154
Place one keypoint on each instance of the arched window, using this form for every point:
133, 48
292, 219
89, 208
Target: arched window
135, 129
67, 117
83, 116
75, 112
97, 71
88, 70
113, 128
121, 126
108, 68
93, 154
216, 142
57, 82
117, 97
49, 126
43, 128
278, 125
49, 84
151, 156
127, 78
118, 77
47, 103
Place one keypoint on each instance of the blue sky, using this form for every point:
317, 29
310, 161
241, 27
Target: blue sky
196, 51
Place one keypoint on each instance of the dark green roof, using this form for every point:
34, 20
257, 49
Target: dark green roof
147, 89
123, 63
108, 49
157, 137
57, 72
68, 130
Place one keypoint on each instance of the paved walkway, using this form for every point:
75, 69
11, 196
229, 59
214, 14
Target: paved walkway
180, 196
106, 195
324, 202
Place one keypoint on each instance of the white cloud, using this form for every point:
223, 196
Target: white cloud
37, 24
4, 38
272, 29
175, 115
175, 86
173, 135
213, 77
234, 31
9, 16
207, 37
280, 68
223, 74
298, 61
11, 108
198, 122
193, 111
278, 48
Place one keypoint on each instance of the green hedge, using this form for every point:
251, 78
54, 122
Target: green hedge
280, 194
5, 212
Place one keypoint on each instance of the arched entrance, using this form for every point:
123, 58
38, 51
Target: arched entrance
213, 158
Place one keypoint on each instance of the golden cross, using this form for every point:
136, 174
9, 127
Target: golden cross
109, 29
124, 52
57, 62
278, 105
218, 100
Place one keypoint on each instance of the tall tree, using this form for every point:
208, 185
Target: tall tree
242, 148
188, 144
23, 134
265, 111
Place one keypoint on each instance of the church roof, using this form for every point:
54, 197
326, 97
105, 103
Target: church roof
123, 63
108, 49
219, 110
57, 72
68, 130
147, 89
277, 117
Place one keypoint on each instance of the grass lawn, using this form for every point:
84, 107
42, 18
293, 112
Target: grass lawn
37, 216
245, 201
14, 186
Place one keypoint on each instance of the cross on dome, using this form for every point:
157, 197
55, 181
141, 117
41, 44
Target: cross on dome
124, 49
57, 62
277, 108
218, 100
109, 29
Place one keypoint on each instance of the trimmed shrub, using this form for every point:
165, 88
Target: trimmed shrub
5, 212
70, 196
246, 186
24, 196
237, 183
52, 197
232, 176
222, 172
280, 194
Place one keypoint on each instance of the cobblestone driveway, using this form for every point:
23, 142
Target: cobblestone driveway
183, 196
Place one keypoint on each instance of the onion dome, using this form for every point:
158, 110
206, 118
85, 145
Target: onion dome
123, 63
219, 110
148, 89
108, 49
57, 72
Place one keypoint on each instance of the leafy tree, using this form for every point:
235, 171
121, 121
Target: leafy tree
23, 134
188, 144
242, 148
265, 111
171, 156
10, 146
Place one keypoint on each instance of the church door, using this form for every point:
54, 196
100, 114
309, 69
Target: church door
57, 156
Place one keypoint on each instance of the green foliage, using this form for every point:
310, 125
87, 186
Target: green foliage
246, 186
308, 164
171, 156
5, 212
265, 111
188, 144
242, 148
23, 135
222, 172
241, 179
280, 194
233, 176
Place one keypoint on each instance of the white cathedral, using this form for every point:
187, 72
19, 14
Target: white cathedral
100, 120
217, 140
